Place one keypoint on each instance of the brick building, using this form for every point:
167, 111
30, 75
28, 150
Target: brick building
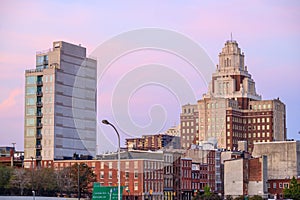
10, 157
153, 142
231, 110
276, 186
141, 173
209, 162
245, 176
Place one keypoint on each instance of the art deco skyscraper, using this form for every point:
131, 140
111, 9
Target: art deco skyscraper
60, 105
231, 110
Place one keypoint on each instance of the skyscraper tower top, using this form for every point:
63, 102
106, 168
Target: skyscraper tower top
231, 78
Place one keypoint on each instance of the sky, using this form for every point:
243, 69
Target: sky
268, 32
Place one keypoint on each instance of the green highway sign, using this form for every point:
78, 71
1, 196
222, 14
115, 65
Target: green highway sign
105, 192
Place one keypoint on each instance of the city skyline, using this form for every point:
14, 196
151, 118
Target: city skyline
270, 46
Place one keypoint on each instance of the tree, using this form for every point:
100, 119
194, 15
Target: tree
293, 192
20, 180
84, 175
207, 192
5, 175
64, 182
207, 195
46, 181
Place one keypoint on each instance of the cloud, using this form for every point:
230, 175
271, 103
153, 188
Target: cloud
12, 102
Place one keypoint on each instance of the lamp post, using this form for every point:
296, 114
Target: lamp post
31, 173
108, 123
78, 182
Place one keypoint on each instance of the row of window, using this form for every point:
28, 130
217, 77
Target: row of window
135, 185
153, 175
259, 107
279, 185
258, 127
110, 165
187, 124
153, 186
102, 174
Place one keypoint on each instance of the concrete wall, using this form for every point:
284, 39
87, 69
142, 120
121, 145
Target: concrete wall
283, 158
233, 177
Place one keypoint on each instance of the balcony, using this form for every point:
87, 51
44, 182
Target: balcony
39, 83
39, 125
39, 114
39, 93
39, 104
39, 136
38, 146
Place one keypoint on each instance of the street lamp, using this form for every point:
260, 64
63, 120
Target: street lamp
108, 123
31, 173
78, 182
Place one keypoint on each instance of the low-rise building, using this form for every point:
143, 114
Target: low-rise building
153, 142
276, 187
245, 177
141, 172
10, 157
283, 158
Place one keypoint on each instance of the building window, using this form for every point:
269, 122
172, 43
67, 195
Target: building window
268, 127
127, 165
136, 174
286, 185
136, 186
136, 165
280, 185
268, 119
110, 165
274, 185
126, 175
101, 175
110, 174
102, 165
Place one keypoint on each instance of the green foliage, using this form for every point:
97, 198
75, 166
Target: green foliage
86, 177
208, 195
293, 192
19, 181
5, 175
207, 192
46, 181
256, 197
239, 198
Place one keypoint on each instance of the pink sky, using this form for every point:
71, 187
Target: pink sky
267, 31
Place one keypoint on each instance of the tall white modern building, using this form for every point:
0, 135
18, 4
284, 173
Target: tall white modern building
60, 105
